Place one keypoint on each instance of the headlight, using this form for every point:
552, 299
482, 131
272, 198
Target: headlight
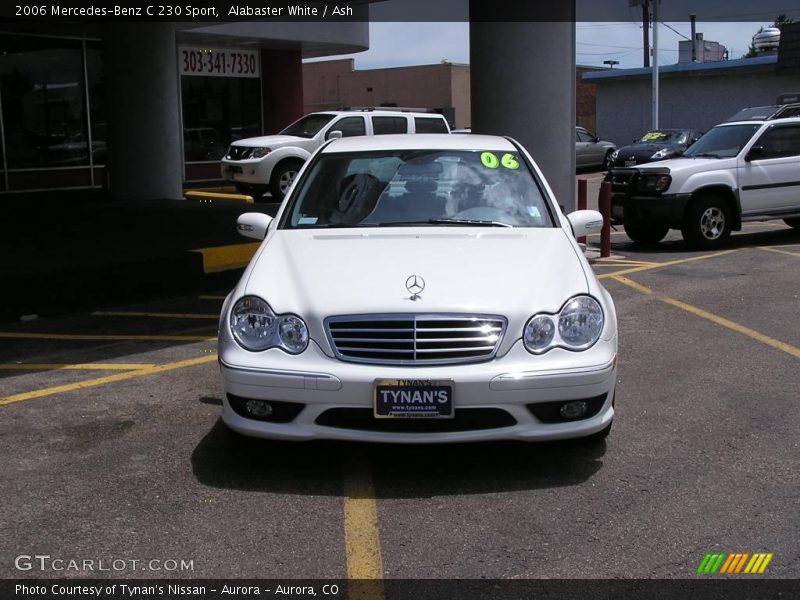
539, 333
663, 153
577, 326
293, 334
256, 327
260, 152
580, 322
614, 155
655, 183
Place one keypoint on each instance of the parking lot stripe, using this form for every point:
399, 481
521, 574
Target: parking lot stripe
722, 321
362, 541
20, 335
159, 315
75, 366
80, 385
668, 263
771, 249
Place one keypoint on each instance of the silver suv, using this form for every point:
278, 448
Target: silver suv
270, 163
739, 171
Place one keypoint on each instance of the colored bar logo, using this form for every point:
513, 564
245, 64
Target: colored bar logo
735, 563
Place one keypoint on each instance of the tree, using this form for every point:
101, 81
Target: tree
779, 22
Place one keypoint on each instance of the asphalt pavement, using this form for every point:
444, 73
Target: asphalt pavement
113, 448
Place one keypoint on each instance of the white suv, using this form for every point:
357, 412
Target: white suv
739, 171
270, 163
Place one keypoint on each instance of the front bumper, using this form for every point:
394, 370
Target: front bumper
667, 208
254, 171
508, 384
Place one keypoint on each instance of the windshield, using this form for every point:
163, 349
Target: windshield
308, 126
663, 137
418, 187
723, 141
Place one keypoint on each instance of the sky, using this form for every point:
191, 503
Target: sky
428, 43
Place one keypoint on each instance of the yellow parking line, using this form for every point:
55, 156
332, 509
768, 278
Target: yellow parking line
80, 385
771, 249
668, 263
362, 542
704, 314
15, 335
160, 315
74, 366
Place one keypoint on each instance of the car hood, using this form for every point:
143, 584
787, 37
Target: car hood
510, 272
269, 141
645, 151
686, 165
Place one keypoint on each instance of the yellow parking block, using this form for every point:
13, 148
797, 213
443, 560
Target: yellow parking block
205, 196
225, 258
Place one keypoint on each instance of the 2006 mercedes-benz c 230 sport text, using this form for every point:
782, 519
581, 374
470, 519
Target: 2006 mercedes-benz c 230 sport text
419, 288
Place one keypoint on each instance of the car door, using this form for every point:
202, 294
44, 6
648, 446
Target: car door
349, 126
583, 151
769, 172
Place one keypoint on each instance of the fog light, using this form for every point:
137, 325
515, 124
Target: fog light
573, 410
259, 408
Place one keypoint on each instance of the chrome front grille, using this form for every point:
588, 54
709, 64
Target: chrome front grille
409, 339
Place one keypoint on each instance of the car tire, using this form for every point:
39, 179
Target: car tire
795, 222
254, 191
282, 177
608, 162
707, 222
645, 233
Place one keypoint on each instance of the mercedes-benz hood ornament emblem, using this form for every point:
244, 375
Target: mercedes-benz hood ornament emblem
415, 284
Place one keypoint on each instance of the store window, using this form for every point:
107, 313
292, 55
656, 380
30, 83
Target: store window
221, 96
97, 105
43, 96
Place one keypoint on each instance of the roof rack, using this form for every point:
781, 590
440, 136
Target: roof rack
387, 108
787, 105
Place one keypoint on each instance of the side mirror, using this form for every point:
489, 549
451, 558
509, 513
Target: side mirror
334, 135
754, 153
585, 222
253, 225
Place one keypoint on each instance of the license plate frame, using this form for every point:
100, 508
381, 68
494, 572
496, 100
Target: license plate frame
411, 405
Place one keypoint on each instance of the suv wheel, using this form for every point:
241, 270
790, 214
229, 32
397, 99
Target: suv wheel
644, 233
282, 178
707, 222
795, 222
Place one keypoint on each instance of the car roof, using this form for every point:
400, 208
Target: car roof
421, 141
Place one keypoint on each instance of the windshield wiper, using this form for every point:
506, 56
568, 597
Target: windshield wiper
472, 222
703, 155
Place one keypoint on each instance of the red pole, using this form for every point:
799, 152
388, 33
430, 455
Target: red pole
582, 192
605, 210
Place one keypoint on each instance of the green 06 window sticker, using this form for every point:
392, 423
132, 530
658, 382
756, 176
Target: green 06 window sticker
490, 161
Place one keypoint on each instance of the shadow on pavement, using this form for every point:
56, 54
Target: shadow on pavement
224, 459
780, 237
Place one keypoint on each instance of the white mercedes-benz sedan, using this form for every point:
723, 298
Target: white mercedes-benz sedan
419, 288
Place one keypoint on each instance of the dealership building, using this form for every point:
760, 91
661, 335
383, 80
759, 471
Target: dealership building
144, 109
